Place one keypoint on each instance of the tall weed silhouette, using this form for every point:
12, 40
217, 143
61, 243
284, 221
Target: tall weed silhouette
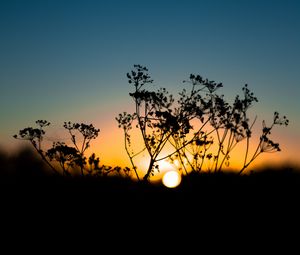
65, 159
201, 127
197, 132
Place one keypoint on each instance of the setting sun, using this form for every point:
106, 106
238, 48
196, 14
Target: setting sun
171, 179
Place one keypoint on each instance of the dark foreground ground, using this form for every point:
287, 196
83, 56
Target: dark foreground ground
228, 205
268, 191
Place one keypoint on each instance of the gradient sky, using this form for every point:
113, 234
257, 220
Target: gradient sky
67, 60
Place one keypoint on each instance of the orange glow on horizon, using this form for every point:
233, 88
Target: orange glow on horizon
109, 147
112, 151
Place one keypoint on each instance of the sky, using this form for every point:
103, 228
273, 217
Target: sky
66, 60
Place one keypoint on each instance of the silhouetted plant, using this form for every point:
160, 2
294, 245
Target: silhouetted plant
265, 145
35, 137
201, 127
197, 132
153, 116
69, 158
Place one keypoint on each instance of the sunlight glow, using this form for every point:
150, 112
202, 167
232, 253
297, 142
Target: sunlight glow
171, 179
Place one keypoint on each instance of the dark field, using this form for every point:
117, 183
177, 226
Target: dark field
247, 209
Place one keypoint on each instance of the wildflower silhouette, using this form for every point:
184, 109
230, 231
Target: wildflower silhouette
69, 158
201, 127
197, 132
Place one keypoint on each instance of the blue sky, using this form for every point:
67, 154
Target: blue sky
67, 60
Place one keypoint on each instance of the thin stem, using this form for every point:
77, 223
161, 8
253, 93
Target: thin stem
130, 157
247, 150
45, 159
73, 140
230, 147
255, 155
83, 144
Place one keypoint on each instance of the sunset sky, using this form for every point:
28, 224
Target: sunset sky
66, 60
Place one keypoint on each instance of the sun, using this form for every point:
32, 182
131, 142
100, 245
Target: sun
171, 179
